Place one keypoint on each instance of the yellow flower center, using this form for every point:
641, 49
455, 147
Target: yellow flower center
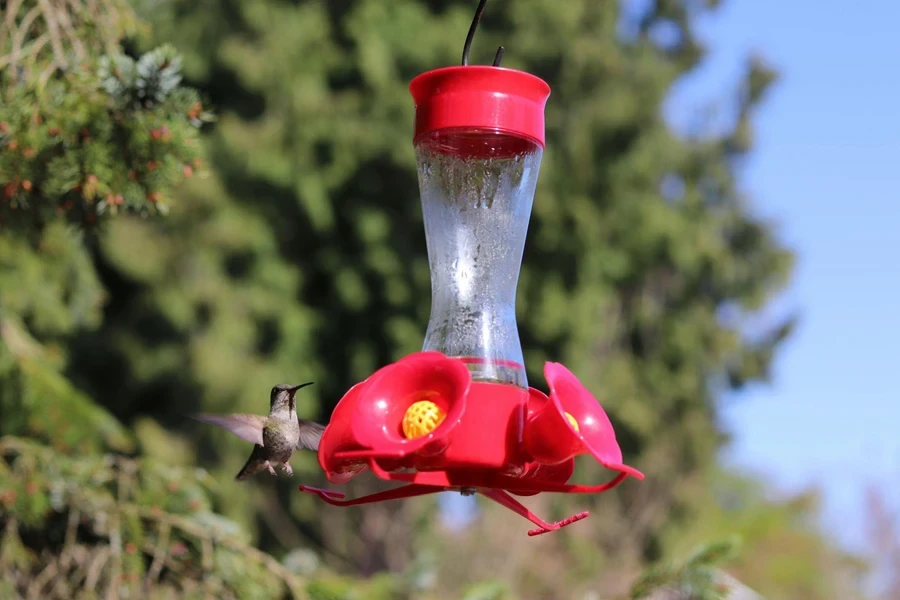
572, 422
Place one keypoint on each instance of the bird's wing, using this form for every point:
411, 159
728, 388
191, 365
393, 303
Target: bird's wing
246, 427
310, 434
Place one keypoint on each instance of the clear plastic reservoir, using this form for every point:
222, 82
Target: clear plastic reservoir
477, 191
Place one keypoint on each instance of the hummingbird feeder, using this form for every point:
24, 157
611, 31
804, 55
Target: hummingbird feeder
459, 415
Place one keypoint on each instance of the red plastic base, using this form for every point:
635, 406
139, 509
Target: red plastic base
494, 439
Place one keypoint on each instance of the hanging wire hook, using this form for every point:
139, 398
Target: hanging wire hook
498, 57
465, 55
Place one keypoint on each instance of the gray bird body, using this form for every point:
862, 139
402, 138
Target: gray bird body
276, 436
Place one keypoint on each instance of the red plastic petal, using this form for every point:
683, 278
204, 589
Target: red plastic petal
337, 498
390, 392
594, 428
338, 437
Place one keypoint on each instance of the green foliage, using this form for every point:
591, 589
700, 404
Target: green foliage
695, 577
38, 402
51, 282
96, 522
783, 553
96, 142
84, 131
383, 587
488, 590
103, 134
46, 293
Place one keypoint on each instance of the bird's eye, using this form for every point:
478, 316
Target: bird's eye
274, 391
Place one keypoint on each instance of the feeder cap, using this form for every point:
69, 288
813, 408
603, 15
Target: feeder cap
480, 97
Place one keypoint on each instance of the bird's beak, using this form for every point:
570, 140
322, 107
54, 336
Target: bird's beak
293, 392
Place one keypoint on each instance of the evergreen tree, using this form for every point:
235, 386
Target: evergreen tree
85, 131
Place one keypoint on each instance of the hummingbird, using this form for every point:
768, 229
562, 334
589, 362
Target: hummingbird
276, 436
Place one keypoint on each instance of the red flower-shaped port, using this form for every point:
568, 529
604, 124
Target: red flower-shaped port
424, 422
367, 424
570, 422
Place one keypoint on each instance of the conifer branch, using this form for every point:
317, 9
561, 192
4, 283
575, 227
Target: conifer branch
93, 493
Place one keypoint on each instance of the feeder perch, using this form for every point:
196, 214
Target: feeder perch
460, 415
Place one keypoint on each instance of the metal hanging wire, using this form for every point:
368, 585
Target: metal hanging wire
468, 46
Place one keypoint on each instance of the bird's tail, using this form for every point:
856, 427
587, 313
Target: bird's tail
253, 466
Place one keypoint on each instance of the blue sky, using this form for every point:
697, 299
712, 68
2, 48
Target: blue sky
825, 167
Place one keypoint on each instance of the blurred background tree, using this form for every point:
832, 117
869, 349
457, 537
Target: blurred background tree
301, 256
86, 132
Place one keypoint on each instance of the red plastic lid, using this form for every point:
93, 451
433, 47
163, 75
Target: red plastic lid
480, 97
